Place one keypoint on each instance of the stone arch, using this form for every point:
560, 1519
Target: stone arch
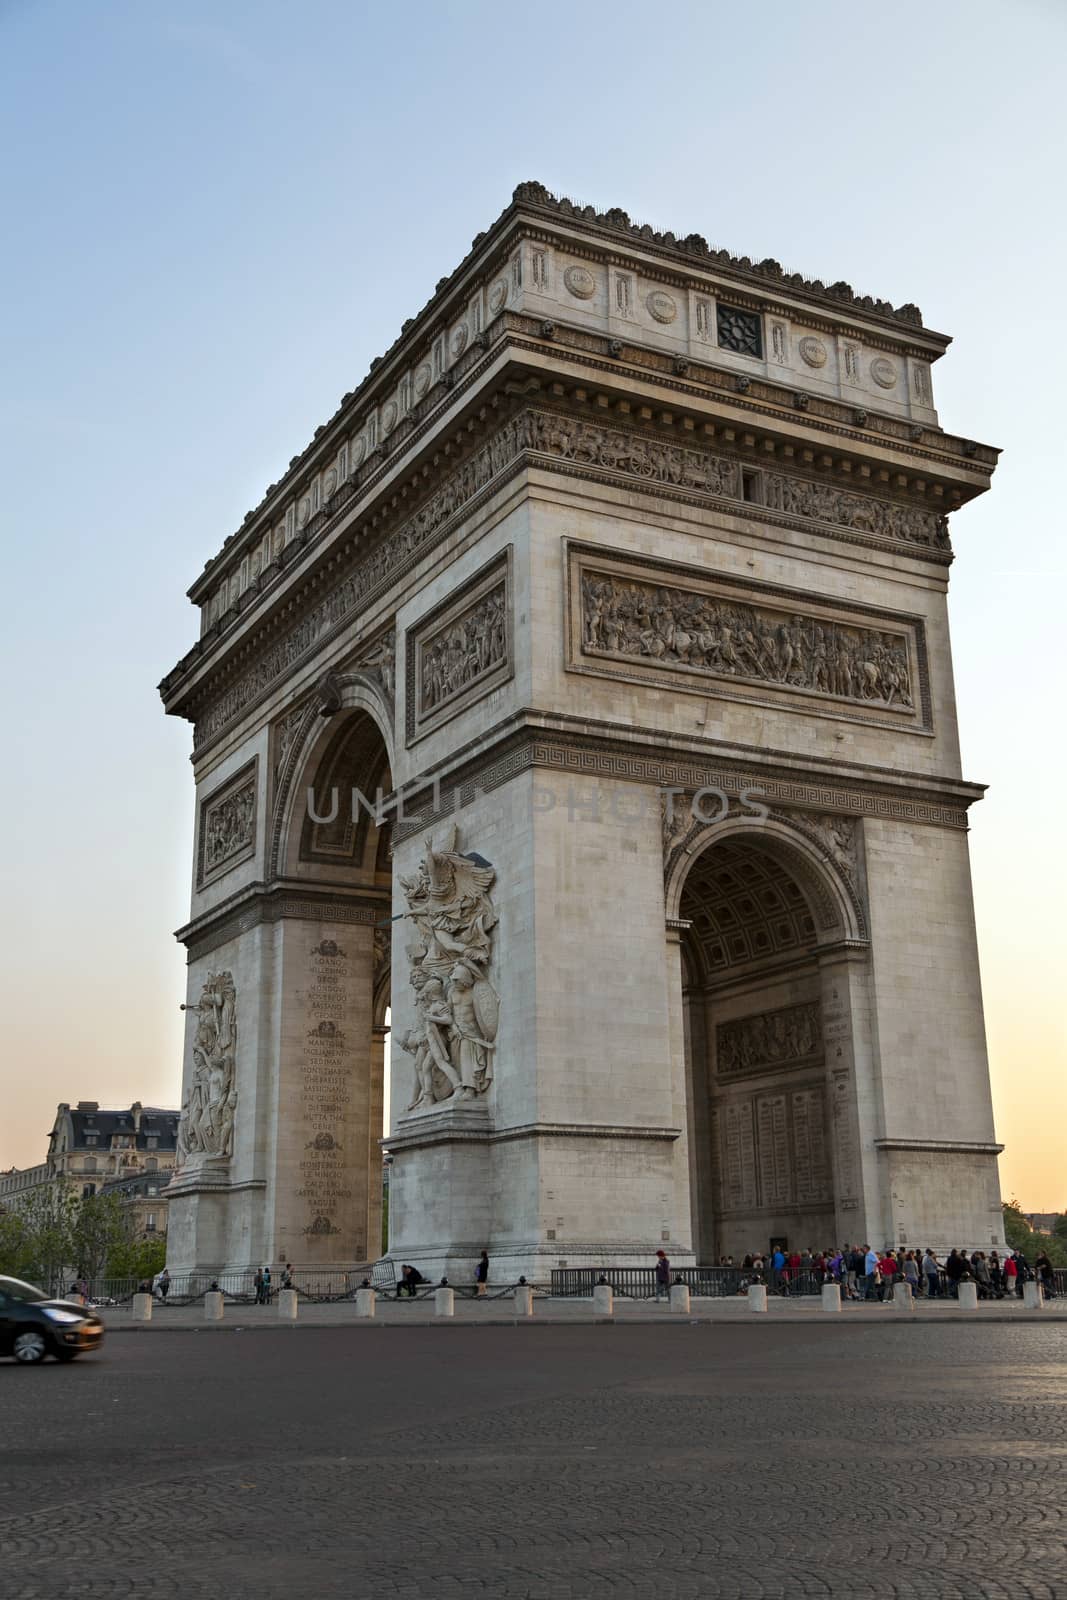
761, 910
830, 883
336, 696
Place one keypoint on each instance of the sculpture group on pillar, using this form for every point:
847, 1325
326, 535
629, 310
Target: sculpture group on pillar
206, 1126
457, 1009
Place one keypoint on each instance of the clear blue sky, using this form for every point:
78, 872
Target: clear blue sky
216, 215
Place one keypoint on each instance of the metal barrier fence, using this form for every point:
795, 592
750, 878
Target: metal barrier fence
639, 1283
322, 1287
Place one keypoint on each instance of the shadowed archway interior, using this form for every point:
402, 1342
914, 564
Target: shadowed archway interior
758, 1123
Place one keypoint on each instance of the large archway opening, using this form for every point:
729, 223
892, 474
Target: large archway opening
761, 1160
333, 844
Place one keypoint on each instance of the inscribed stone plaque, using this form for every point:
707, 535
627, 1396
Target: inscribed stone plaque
772, 1122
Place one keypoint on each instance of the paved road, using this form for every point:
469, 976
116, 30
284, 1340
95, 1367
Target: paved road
543, 1463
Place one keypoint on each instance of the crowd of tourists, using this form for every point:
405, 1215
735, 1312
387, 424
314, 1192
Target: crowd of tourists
863, 1273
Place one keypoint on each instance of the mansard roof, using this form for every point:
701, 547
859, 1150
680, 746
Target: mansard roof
159, 1122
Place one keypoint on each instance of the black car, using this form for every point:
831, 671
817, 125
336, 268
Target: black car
32, 1326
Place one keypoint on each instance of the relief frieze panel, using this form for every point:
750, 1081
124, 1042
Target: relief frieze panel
790, 1036
461, 651
630, 619
227, 832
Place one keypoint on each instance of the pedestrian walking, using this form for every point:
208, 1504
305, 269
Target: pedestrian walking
1010, 1274
164, 1284
266, 1286
481, 1272
257, 1284
663, 1275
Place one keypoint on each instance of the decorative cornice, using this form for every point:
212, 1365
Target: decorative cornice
409, 1136
533, 208
261, 902
597, 749
959, 1147
361, 574
694, 250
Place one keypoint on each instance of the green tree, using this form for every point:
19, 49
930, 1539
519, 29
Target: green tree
1021, 1236
137, 1258
39, 1232
100, 1227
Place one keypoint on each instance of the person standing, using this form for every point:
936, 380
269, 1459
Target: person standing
287, 1276
1010, 1274
932, 1274
663, 1275
1045, 1275
911, 1273
481, 1272
257, 1284
871, 1275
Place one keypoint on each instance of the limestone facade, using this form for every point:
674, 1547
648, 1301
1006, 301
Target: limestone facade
618, 591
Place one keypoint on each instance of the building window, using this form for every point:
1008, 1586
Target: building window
151, 1165
89, 1164
88, 1190
739, 331
150, 1223
153, 1141
91, 1138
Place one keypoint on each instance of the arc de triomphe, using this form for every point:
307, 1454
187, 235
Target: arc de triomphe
623, 577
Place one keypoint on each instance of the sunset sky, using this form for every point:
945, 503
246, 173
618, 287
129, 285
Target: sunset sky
217, 215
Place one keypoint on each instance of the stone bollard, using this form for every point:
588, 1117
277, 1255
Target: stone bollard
366, 1299
444, 1302
287, 1304
680, 1298
1033, 1297
213, 1306
142, 1308
757, 1297
901, 1297
523, 1300
603, 1300
831, 1297
968, 1296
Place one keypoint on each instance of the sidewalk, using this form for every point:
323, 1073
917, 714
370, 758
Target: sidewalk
548, 1312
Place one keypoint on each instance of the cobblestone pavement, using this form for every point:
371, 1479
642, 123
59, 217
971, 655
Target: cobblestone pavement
891, 1461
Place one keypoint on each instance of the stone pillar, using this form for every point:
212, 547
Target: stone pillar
603, 1300
831, 1297
902, 1297
968, 1296
366, 1299
680, 1298
757, 1297
853, 1093
523, 1300
287, 1305
142, 1308
1033, 1296
213, 1306
444, 1302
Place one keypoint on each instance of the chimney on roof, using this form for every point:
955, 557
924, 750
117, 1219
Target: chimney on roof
136, 1108
88, 1105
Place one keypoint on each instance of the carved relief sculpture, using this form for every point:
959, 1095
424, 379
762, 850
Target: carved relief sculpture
774, 1039
728, 639
457, 1008
210, 1104
471, 645
228, 827
611, 449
